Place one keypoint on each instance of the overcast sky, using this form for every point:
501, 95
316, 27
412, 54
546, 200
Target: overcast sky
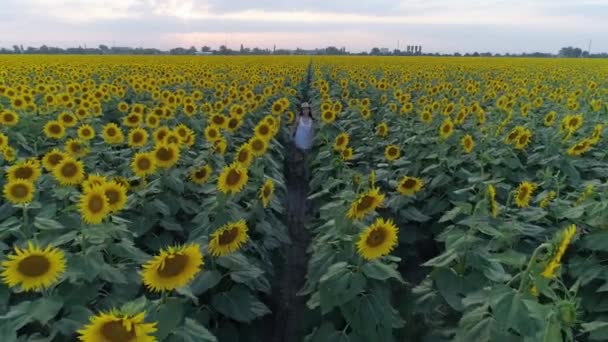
438, 25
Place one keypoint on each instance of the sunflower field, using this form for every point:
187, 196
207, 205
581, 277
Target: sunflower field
459, 200
450, 199
142, 197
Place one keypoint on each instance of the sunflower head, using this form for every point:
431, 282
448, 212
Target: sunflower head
112, 134
52, 158
244, 155
200, 175
143, 164
76, 148
232, 179
228, 238
328, 116
69, 171
86, 132
523, 194
258, 146
392, 152
116, 194
33, 268
19, 191
382, 130
378, 239
166, 155
173, 267
341, 141
138, 137
93, 180
28, 170
446, 129
94, 205
409, 186
467, 143
54, 129
266, 192
365, 203
117, 327
347, 154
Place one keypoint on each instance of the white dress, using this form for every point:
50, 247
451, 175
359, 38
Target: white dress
304, 134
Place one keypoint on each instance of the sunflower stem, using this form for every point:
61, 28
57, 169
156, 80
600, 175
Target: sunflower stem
26, 226
526, 274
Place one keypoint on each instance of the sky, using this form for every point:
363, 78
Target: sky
443, 26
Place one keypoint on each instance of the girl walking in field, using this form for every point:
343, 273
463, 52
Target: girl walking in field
302, 131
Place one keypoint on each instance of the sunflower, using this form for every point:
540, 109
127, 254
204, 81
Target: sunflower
67, 119
426, 117
446, 129
233, 123
53, 158
8, 118
112, 134
258, 146
365, 203
219, 120
573, 122
117, 327
28, 170
341, 141
138, 137
278, 107
152, 120
116, 194
173, 267
347, 154
524, 193
467, 143
595, 137
212, 133
266, 192
143, 164
54, 129
69, 171
409, 186
382, 129
580, 147
201, 175
228, 238
328, 116
94, 205
263, 131
493, 204
166, 155
514, 134
220, 146
244, 155
33, 268
93, 180
19, 191
524, 138
76, 148
378, 239
232, 179
86, 132
550, 118
172, 138
132, 120
392, 152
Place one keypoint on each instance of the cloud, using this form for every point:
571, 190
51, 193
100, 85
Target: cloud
439, 25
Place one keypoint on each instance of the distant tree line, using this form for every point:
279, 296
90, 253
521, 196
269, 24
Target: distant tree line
569, 52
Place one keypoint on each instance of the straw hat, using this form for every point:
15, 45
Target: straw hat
305, 105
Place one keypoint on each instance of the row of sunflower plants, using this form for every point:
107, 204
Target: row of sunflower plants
484, 178
142, 197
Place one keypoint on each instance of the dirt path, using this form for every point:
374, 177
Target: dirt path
291, 309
